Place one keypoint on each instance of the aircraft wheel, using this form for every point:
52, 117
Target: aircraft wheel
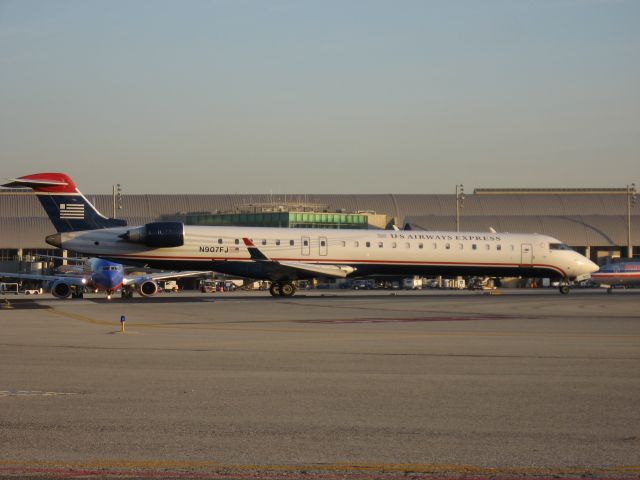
564, 289
287, 289
274, 289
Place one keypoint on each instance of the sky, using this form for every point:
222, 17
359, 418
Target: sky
299, 96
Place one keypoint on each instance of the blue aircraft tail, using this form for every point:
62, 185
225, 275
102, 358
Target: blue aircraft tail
66, 207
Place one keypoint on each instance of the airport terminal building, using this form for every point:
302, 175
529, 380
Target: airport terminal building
600, 223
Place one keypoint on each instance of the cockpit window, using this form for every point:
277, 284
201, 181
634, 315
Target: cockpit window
559, 246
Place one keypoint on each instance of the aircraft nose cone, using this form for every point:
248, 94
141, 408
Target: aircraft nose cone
587, 267
54, 240
113, 279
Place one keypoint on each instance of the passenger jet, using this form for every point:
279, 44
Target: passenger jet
101, 275
284, 255
624, 273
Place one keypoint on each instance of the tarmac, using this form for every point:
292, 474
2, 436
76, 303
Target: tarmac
327, 384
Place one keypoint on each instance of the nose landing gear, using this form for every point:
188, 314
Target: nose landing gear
564, 287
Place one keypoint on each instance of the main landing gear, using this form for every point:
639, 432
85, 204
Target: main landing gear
284, 289
126, 292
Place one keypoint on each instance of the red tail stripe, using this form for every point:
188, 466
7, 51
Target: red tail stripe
59, 183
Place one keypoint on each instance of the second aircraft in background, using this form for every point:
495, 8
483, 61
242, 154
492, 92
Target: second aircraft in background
101, 275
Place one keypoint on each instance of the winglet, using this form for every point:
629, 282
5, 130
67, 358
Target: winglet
254, 251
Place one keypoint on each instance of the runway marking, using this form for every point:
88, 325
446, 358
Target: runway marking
409, 320
93, 321
222, 471
82, 318
247, 327
33, 393
336, 352
469, 304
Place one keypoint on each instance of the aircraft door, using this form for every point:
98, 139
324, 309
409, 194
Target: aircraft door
323, 246
527, 254
306, 245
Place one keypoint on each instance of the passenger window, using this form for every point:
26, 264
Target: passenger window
264, 242
356, 244
237, 241
447, 246
474, 246
498, 247
421, 245
277, 242
559, 246
394, 245
219, 240
306, 243
292, 242
380, 244
368, 244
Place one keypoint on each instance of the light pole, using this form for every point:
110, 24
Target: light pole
631, 201
459, 204
117, 198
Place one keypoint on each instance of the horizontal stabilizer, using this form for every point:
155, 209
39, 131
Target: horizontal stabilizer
44, 182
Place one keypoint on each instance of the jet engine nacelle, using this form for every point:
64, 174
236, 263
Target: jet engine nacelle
61, 289
157, 234
148, 288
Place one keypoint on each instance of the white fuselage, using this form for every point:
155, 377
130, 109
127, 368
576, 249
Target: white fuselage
371, 252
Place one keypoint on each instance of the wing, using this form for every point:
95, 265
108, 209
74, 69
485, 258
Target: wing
281, 269
336, 271
57, 257
70, 279
135, 279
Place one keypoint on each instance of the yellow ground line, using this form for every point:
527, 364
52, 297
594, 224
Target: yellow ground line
335, 467
248, 328
81, 318
116, 323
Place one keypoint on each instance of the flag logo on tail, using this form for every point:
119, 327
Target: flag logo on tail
72, 211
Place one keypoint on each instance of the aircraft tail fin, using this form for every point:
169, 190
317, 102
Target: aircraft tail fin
67, 208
